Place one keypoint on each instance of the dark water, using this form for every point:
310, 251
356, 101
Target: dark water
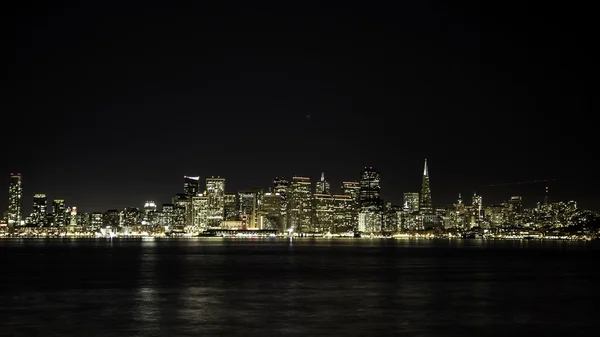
274, 287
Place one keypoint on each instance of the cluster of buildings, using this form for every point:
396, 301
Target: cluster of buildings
288, 207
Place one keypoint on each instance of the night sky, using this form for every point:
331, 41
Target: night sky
108, 105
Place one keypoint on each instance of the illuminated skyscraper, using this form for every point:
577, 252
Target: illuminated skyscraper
282, 187
477, 205
168, 215
84, 220
352, 189
391, 217
15, 195
40, 204
59, 213
231, 207
215, 191
369, 187
370, 216
130, 218
179, 218
515, 204
149, 216
200, 212
184, 202
323, 186
332, 213
191, 185
111, 219
73, 217
248, 202
96, 221
411, 202
425, 206
300, 205
149, 207
272, 210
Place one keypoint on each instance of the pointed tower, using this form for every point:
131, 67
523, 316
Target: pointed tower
425, 206
323, 185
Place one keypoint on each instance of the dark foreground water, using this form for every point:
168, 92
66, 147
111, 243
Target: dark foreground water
275, 287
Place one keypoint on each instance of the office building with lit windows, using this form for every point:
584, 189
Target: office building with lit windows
352, 189
231, 207
59, 213
370, 216
281, 186
96, 221
200, 212
191, 185
15, 196
411, 202
332, 213
40, 206
249, 202
167, 215
271, 208
300, 205
369, 192
215, 191
322, 186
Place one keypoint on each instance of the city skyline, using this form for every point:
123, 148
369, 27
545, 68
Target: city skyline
300, 207
538, 192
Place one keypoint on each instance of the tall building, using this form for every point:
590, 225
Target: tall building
15, 195
149, 207
332, 213
40, 204
425, 206
369, 187
83, 220
168, 215
184, 202
73, 217
391, 218
149, 215
515, 204
179, 218
300, 204
111, 219
59, 213
352, 189
200, 212
477, 205
231, 207
215, 191
370, 220
322, 186
411, 202
370, 216
191, 185
96, 221
272, 209
282, 187
249, 202
130, 218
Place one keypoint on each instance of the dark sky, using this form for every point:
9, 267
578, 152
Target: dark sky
109, 104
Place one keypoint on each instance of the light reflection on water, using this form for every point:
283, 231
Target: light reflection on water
296, 287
